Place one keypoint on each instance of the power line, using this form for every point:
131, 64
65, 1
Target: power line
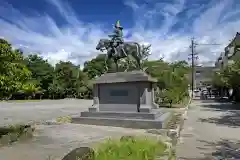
207, 44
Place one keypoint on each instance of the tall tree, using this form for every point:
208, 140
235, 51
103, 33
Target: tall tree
96, 66
42, 71
13, 72
68, 80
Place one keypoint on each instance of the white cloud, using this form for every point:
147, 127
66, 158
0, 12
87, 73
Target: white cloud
76, 41
209, 27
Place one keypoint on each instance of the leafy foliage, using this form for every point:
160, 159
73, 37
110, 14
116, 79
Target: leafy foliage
95, 67
34, 77
42, 71
228, 78
14, 72
172, 80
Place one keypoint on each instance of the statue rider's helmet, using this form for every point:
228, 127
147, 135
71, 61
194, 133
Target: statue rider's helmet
117, 25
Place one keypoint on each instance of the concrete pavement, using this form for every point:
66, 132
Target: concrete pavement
212, 130
17, 112
54, 141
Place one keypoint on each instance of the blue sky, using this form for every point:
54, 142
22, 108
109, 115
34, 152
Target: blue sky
70, 29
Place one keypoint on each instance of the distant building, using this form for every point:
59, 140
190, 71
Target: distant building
203, 76
231, 52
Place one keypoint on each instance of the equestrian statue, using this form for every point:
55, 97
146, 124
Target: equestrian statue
118, 49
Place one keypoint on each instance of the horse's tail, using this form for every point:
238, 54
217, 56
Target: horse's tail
138, 58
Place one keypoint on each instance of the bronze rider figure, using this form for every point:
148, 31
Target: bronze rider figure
117, 37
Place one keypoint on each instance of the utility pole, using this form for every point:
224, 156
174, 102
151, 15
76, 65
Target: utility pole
193, 57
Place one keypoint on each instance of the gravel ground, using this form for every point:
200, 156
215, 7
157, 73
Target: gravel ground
16, 112
54, 140
57, 140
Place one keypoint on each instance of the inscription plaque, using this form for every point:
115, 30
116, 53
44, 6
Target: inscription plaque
119, 93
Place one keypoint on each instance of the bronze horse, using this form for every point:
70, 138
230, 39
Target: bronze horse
127, 48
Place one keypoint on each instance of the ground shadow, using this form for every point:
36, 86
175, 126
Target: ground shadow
232, 120
230, 114
222, 150
223, 106
216, 99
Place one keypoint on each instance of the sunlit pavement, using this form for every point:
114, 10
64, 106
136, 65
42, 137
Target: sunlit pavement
211, 131
22, 112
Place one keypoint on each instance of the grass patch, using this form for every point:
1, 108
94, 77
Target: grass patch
12, 133
64, 119
130, 148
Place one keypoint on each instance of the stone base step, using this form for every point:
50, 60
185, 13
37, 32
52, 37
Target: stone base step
129, 115
159, 123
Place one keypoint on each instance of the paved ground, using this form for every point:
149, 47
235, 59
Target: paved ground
211, 130
54, 140
15, 112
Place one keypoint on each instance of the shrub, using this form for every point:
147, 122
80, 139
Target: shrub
64, 119
129, 148
171, 96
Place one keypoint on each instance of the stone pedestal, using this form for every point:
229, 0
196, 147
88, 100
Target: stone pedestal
124, 92
124, 97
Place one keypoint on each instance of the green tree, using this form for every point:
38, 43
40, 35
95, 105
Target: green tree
69, 80
83, 85
13, 72
219, 80
228, 78
65, 75
33, 74
160, 70
56, 90
172, 80
42, 71
96, 66
232, 74
30, 90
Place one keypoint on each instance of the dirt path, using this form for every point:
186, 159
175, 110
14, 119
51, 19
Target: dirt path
212, 130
